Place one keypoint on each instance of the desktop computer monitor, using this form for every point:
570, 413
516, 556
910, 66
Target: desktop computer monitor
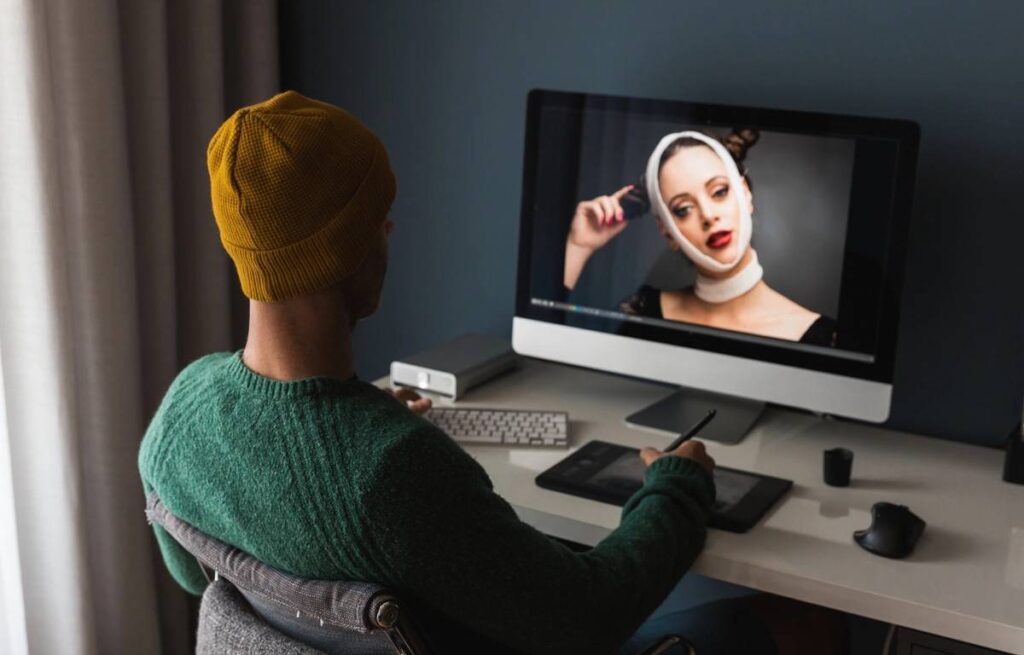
747, 255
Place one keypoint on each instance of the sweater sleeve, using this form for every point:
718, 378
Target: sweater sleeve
458, 548
182, 566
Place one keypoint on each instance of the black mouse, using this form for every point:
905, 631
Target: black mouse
893, 532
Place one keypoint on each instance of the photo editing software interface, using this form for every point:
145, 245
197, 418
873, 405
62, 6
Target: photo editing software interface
767, 234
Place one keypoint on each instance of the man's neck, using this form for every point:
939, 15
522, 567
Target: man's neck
300, 338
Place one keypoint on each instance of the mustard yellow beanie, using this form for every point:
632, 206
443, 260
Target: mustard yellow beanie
300, 190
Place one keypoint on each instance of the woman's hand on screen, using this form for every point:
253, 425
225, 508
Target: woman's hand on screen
598, 221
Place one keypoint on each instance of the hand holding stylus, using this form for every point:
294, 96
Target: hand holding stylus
682, 446
691, 449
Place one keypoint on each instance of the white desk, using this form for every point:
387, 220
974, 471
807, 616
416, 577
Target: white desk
965, 580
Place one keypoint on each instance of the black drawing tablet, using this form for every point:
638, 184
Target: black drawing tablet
611, 473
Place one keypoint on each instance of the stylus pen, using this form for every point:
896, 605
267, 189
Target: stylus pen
692, 432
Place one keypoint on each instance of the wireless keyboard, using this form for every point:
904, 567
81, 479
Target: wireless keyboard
504, 427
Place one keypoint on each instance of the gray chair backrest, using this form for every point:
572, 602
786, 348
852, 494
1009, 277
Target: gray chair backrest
227, 626
335, 617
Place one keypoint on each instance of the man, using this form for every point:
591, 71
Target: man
282, 452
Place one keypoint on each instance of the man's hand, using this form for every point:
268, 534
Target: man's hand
411, 399
690, 449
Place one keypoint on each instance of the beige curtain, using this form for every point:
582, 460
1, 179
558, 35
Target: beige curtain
111, 279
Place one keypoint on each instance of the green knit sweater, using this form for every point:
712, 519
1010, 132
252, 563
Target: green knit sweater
334, 479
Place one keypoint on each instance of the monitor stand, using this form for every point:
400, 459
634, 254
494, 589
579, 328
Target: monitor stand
682, 410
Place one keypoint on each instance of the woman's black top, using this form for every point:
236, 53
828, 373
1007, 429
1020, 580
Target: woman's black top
647, 302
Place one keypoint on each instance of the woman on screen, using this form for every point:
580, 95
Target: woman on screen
703, 203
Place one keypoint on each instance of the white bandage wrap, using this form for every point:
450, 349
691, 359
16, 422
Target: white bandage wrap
708, 289
719, 290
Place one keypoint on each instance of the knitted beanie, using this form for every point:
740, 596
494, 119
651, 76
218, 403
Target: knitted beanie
300, 191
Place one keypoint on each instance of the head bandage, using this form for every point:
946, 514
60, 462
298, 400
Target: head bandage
708, 289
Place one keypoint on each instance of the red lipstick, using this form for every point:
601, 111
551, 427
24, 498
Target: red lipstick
719, 239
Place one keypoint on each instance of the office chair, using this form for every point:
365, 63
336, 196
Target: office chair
250, 608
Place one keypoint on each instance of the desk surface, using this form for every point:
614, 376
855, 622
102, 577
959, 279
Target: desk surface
965, 580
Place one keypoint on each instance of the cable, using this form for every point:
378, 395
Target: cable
888, 639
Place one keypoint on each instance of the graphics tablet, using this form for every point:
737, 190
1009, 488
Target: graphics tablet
611, 473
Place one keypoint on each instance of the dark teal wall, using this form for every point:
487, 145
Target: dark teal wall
444, 85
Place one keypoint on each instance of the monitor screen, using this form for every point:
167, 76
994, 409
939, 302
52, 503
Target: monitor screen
766, 234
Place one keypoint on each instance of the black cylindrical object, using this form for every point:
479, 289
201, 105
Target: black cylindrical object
1013, 467
838, 465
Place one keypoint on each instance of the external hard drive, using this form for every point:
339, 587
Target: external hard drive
454, 368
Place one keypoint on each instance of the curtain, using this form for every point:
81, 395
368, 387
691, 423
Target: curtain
112, 278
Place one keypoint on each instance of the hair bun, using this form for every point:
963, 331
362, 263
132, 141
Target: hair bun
740, 140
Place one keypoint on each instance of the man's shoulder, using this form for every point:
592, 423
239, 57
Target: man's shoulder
190, 383
416, 449
378, 407
389, 423
202, 371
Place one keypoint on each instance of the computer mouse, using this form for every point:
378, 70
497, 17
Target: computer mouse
893, 532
